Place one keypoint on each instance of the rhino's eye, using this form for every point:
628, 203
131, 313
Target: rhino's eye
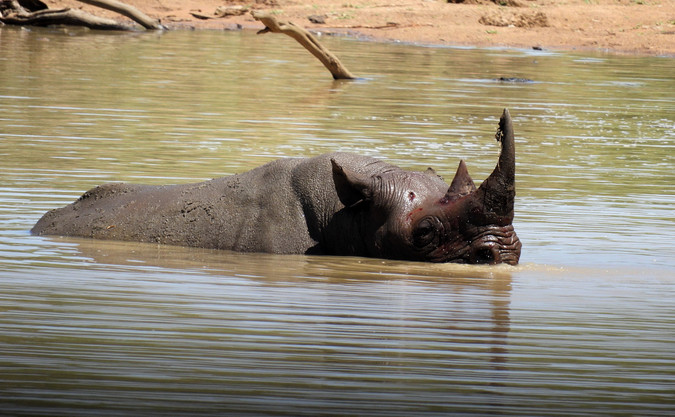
426, 232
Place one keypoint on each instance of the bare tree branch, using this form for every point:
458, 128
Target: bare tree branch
36, 13
14, 14
307, 40
128, 11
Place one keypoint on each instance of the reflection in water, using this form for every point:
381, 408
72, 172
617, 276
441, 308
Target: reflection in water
110, 328
198, 331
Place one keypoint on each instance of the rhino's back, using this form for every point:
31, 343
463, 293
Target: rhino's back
253, 211
281, 207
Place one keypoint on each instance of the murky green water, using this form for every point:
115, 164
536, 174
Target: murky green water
586, 325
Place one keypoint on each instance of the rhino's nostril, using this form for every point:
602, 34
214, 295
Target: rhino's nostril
483, 256
486, 255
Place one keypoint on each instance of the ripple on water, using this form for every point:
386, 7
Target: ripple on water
582, 324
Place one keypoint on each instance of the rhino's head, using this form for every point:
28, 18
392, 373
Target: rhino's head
416, 216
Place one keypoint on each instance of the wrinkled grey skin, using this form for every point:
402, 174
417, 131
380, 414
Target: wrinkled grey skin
334, 204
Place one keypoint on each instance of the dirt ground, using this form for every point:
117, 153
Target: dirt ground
645, 27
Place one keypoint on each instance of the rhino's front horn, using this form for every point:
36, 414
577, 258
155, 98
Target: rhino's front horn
497, 193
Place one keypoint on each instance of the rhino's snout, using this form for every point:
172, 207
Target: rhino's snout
499, 245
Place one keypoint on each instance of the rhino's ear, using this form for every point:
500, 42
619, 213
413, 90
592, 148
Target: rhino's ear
432, 172
352, 188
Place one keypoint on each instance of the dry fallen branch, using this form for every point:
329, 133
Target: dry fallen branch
72, 17
221, 11
307, 40
14, 12
128, 11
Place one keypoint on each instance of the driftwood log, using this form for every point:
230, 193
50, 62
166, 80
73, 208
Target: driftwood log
36, 13
307, 40
128, 11
70, 17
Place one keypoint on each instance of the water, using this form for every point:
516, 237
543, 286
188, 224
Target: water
585, 325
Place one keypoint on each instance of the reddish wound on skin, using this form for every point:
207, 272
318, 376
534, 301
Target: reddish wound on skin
409, 216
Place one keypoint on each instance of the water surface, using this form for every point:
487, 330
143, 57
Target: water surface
585, 325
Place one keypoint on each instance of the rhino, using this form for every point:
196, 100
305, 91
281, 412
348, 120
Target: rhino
332, 204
